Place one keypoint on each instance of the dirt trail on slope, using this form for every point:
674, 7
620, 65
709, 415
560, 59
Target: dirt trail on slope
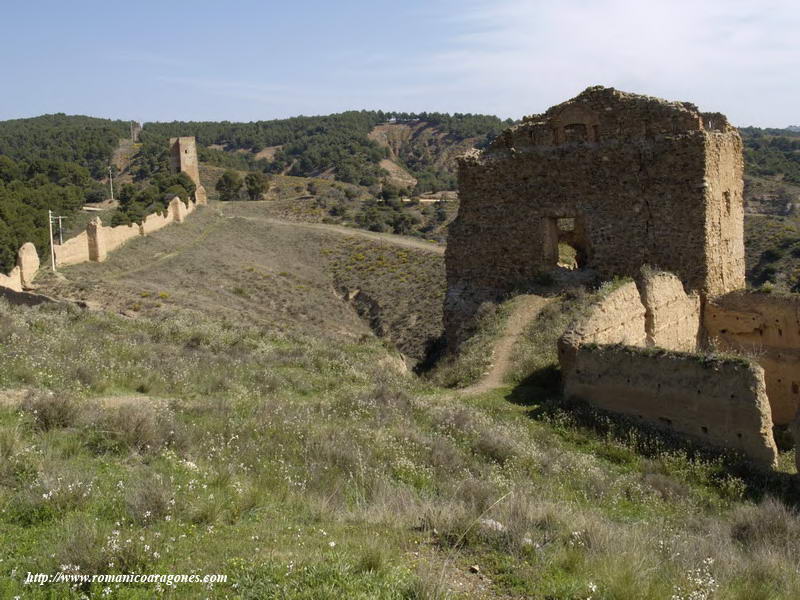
527, 310
390, 238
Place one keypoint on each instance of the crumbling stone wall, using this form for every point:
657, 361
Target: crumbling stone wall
177, 209
103, 240
721, 403
767, 327
618, 318
646, 181
200, 196
73, 251
652, 311
98, 240
642, 181
634, 353
12, 281
155, 222
94, 244
22, 275
28, 263
672, 317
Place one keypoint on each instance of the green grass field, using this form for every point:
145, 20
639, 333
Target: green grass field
224, 410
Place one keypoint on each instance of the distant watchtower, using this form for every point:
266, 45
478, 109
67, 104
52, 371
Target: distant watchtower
183, 157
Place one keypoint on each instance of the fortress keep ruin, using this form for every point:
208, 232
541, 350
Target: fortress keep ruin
643, 180
649, 190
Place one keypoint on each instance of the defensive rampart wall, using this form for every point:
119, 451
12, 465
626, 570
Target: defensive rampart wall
94, 244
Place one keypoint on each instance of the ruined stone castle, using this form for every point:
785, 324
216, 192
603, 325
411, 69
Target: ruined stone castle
632, 181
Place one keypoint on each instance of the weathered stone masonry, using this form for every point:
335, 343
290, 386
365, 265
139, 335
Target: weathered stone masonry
721, 403
767, 327
183, 159
634, 353
646, 181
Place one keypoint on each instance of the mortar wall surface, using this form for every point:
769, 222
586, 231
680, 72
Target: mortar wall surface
723, 405
28, 263
13, 280
617, 318
114, 237
767, 327
155, 222
73, 251
672, 319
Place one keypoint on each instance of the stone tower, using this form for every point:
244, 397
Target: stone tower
183, 159
640, 179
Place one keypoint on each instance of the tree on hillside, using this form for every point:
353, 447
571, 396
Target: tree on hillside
257, 185
229, 185
403, 223
440, 212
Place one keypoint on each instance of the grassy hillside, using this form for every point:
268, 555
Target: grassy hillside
398, 291
233, 266
318, 200
239, 417
772, 204
771, 152
233, 402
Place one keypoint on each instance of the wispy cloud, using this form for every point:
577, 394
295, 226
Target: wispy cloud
522, 56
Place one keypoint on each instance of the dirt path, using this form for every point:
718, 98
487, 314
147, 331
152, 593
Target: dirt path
527, 309
390, 238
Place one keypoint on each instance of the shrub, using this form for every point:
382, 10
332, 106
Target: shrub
51, 411
143, 427
494, 444
768, 524
148, 498
81, 544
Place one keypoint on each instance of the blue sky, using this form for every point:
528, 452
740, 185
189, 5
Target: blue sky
249, 60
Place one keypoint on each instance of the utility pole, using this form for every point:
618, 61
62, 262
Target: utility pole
60, 230
52, 247
52, 219
111, 181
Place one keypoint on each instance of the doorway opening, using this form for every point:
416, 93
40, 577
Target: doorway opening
569, 246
